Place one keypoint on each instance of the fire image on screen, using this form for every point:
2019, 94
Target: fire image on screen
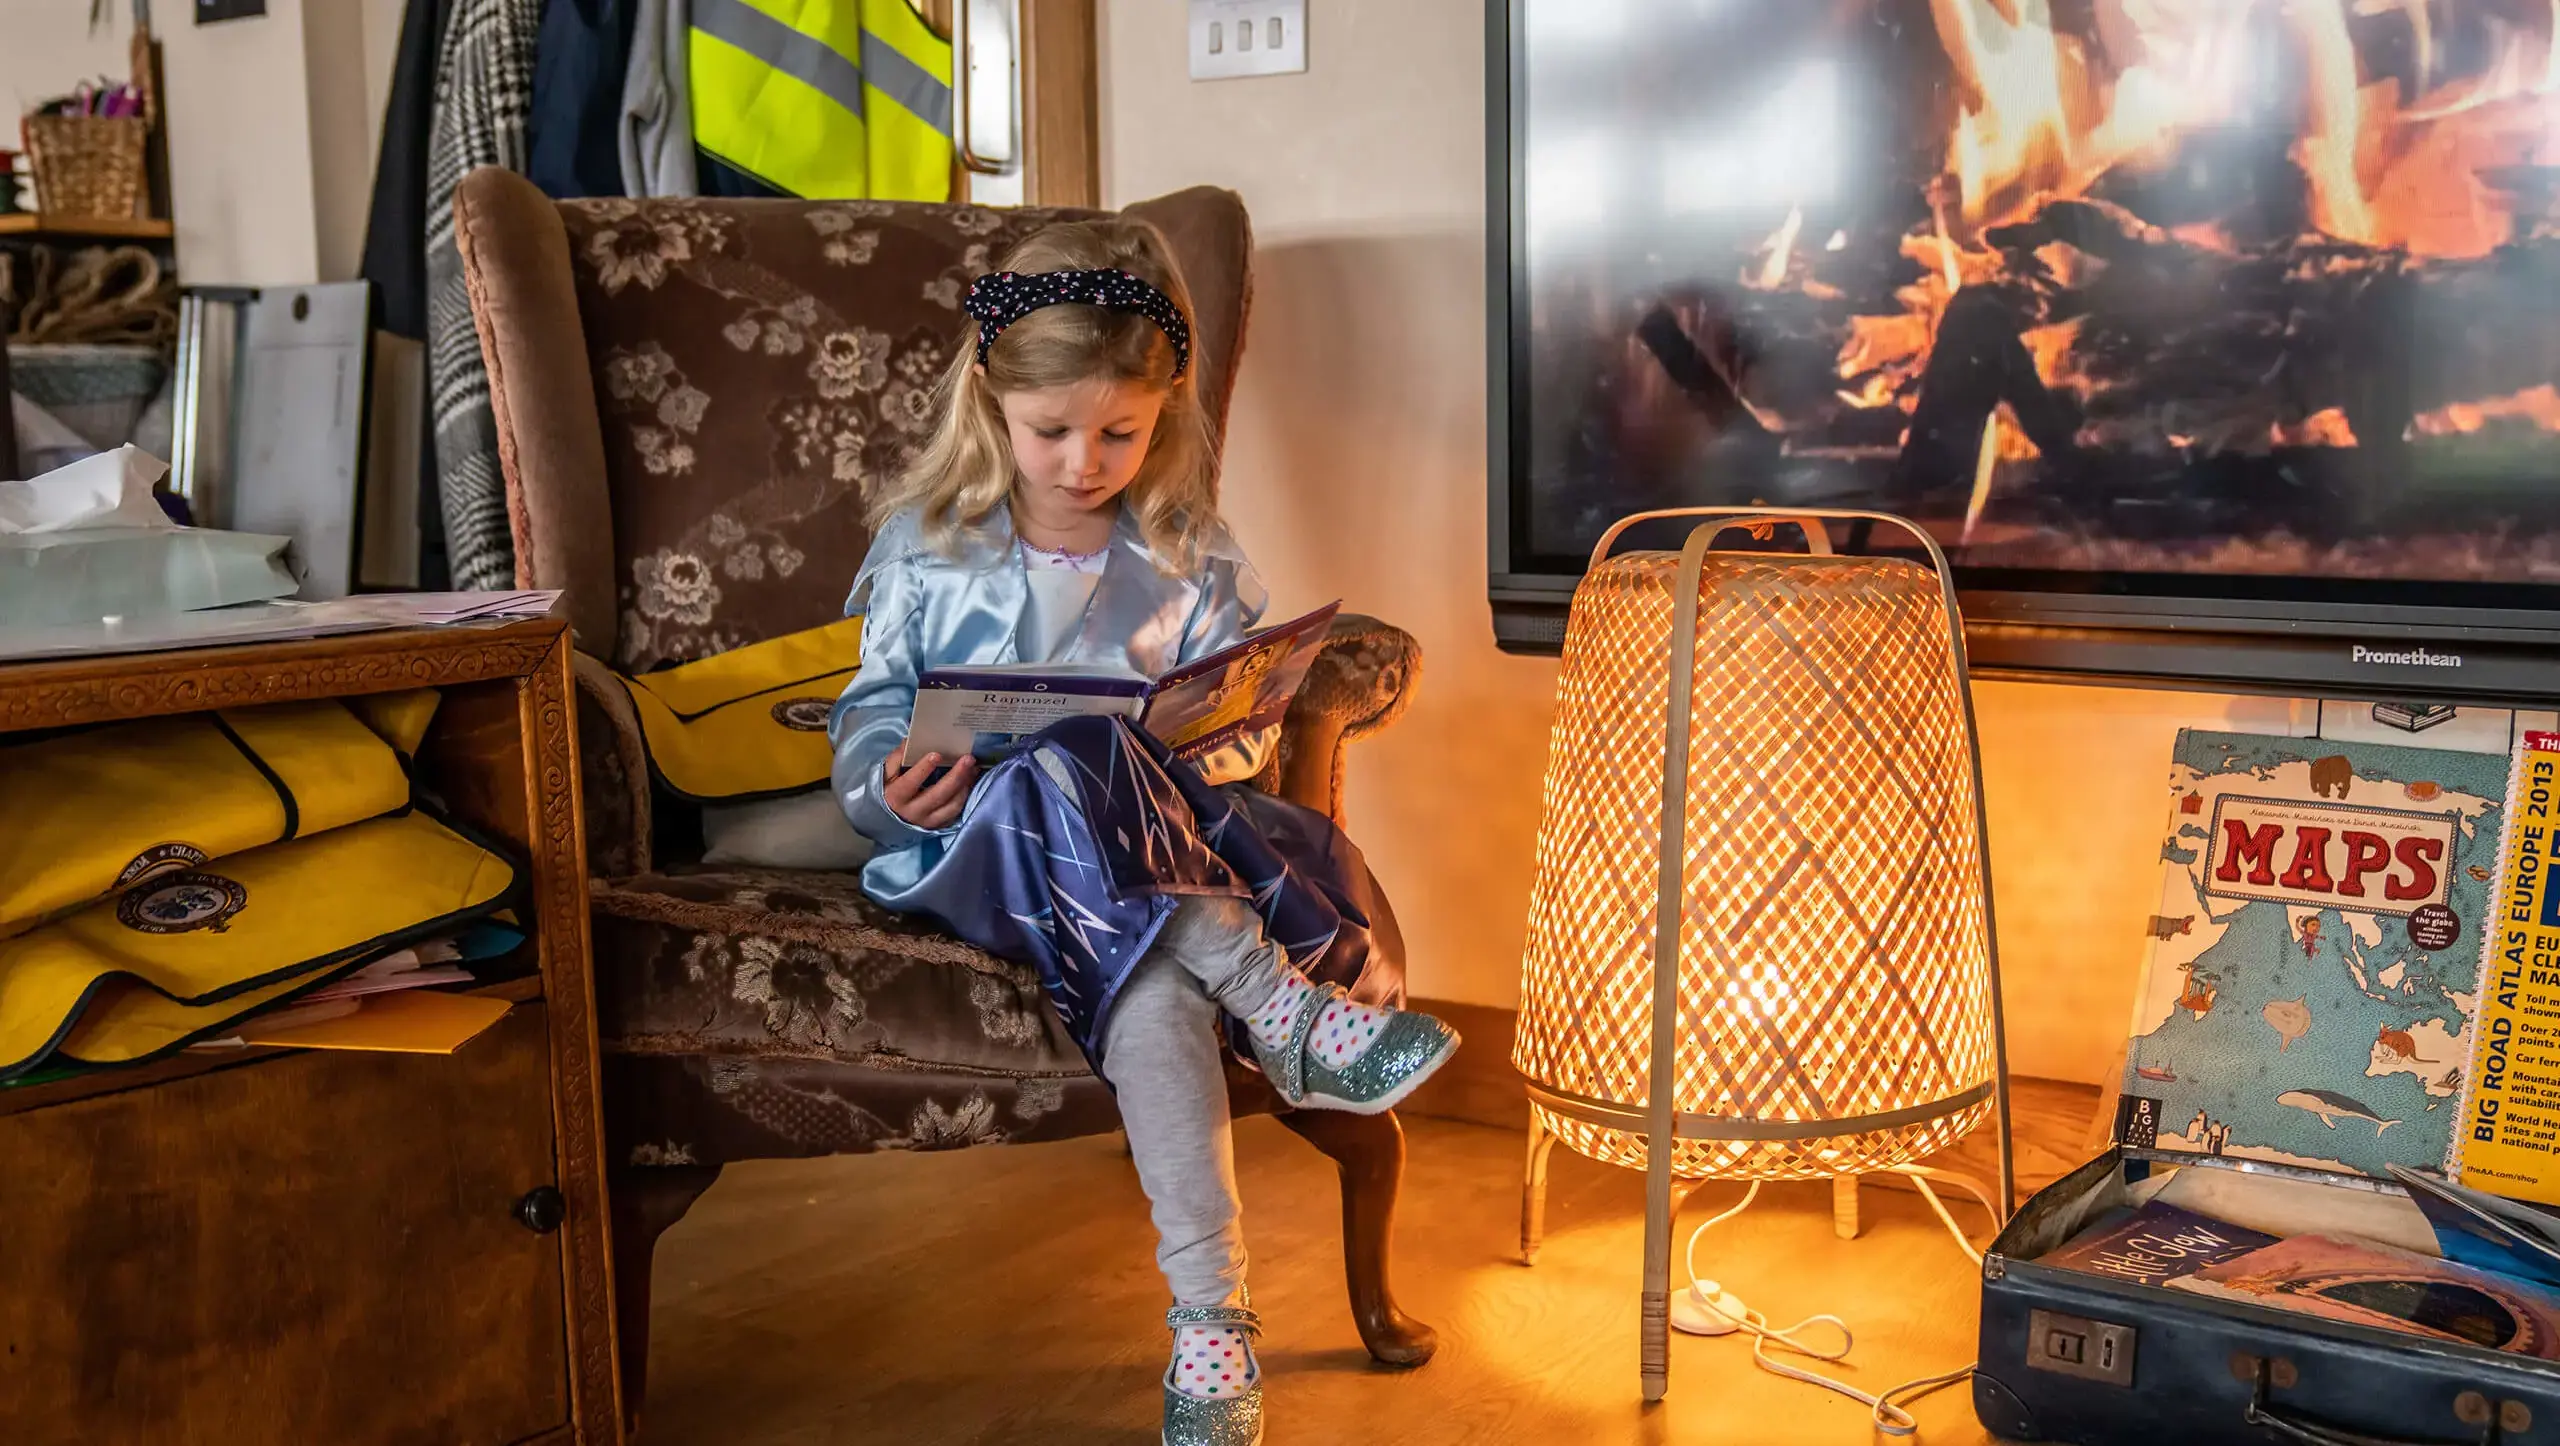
2250, 288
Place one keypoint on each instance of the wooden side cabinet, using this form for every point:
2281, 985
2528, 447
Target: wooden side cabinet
270, 1246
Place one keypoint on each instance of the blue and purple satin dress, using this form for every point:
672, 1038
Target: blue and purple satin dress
1071, 852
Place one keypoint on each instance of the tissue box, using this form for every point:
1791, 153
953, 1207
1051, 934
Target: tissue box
51, 578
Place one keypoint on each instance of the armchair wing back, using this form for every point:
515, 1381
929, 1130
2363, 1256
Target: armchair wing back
694, 396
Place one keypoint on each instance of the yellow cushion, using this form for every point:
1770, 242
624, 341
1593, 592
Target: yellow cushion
399, 719
751, 722
128, 1023
92, 812
178, 955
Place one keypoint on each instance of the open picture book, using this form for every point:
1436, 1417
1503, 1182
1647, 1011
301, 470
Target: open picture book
1193, 710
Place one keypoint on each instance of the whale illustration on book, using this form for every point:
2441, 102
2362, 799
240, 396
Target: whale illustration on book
2332, 1107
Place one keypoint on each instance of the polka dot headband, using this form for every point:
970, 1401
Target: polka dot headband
1001, 298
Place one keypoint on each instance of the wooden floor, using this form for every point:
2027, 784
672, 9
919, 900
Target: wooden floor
1009, 1295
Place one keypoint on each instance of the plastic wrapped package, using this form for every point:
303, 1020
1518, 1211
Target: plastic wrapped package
50, 578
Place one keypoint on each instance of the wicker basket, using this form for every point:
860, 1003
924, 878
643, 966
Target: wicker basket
88, 165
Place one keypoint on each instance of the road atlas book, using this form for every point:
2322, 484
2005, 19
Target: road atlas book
2314, 964
1194, 709
2509, 1143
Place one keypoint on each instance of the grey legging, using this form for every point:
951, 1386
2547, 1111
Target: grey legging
1161, 1053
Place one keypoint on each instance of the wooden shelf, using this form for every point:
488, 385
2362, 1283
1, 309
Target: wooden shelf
36, 223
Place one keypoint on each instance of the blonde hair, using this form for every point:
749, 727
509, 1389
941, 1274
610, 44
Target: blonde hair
968, 470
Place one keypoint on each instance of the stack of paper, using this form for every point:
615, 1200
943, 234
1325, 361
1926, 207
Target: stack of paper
458, 607
391, 973
378, 1007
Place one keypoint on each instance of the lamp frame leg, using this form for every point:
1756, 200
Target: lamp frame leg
1670, 891
1533, 1189
1653, 1343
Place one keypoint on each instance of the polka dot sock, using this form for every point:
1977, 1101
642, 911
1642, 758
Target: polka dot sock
1212, 1362
1270, 1024
1343, 1032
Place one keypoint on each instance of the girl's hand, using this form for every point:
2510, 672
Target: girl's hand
922, 805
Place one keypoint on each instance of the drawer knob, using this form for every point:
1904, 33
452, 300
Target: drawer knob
542, 1209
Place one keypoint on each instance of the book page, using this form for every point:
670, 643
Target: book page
988, 711
1204, 705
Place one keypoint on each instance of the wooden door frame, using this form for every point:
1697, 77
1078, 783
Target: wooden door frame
1061, 106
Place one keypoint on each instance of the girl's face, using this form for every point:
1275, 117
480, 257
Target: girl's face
1077, 447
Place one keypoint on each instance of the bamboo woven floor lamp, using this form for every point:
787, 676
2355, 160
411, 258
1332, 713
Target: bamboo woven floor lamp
1761, 928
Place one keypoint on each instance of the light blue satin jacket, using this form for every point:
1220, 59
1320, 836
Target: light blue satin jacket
921, 610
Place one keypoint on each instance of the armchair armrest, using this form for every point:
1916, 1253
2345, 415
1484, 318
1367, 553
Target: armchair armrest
613, 769
1357, 685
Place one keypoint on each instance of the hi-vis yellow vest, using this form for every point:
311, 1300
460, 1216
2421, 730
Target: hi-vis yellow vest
824, 99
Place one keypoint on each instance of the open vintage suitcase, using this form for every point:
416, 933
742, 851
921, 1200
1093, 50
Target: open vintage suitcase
2073, 1356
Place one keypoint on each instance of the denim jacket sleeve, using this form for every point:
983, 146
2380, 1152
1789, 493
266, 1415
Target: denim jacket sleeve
870, 720
1232, 599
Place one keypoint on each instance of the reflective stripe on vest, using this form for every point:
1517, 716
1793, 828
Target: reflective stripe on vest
827, 99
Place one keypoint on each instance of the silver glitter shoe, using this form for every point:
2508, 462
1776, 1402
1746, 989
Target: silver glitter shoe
1212, 1421
1409, 1047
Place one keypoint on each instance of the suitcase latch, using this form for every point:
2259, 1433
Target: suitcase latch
2071, 1345
2280, 1372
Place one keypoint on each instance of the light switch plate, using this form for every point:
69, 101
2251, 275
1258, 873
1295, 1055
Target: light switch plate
1232, 38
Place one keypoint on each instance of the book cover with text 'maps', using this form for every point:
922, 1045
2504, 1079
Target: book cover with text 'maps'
2314, 967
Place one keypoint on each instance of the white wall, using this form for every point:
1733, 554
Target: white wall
273, 122
45, 49
1355, 454
1355, 468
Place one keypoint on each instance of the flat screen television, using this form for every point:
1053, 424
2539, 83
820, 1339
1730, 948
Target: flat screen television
2218, 341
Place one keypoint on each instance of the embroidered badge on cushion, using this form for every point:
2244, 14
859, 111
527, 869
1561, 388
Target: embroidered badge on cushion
159, 860
182, 904
805, 715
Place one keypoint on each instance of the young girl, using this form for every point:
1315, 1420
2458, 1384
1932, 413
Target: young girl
1066, 511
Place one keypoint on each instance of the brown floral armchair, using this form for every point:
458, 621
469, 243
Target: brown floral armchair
691, 397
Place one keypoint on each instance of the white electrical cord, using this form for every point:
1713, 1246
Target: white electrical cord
1889, 1417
